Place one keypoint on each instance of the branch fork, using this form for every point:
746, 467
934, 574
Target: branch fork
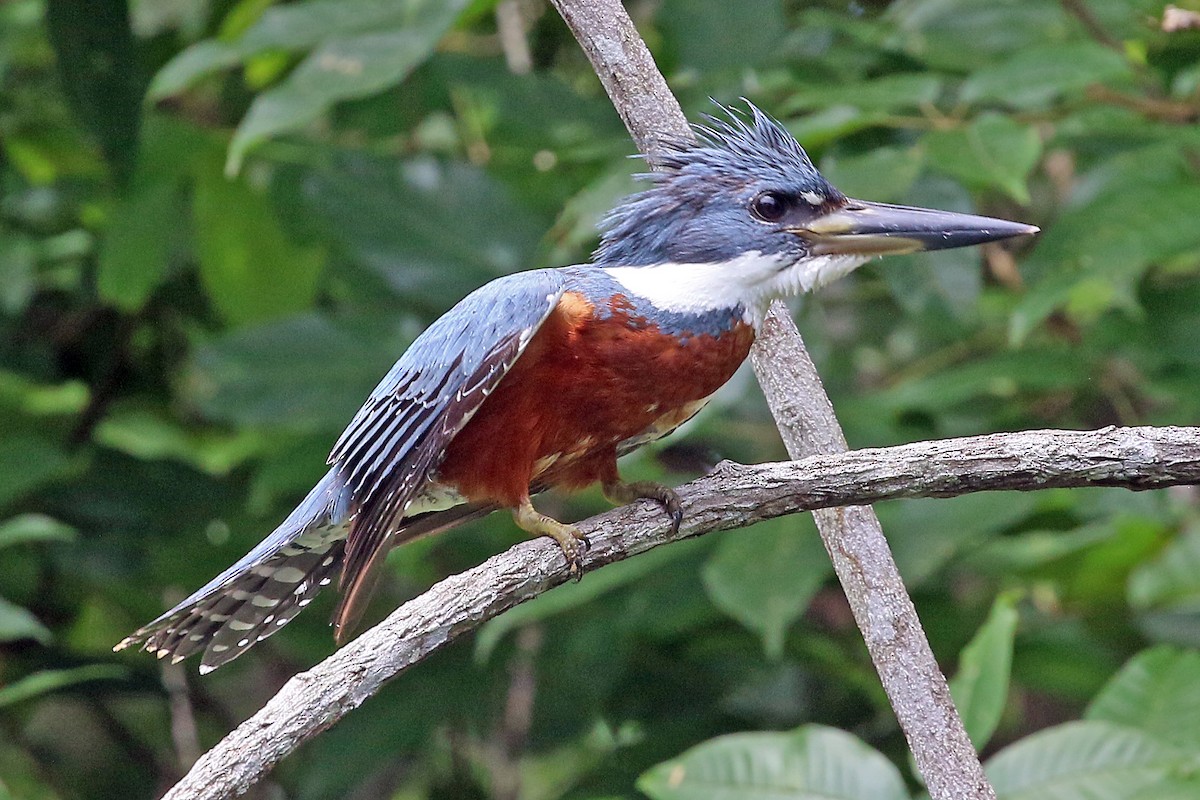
733, 496
823, 478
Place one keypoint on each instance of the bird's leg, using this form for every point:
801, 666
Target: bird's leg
619, 493
573, 543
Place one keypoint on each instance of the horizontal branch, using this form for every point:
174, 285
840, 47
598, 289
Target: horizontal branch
733, 496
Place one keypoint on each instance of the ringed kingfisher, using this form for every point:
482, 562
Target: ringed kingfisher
541, 379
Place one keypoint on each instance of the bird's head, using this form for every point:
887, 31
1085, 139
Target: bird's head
741, 216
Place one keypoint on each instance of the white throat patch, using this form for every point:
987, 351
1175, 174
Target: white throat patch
751, 280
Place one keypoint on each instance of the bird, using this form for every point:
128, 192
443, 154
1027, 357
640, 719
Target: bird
541, 379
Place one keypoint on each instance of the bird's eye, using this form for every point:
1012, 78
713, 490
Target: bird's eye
769, 206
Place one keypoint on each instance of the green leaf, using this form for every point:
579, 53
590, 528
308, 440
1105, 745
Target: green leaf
810, 763
1063, 659
24, 776
835, 122
991, 152
18, 265
28, 462
42, 400
926, 534
1181, 787
885, 93
305, 373
142, 231
356, 49
344, 69
1000, 377
1157, 691
1096, 575
147, 435
960, 35
197, 61
1165, 591
1036, 549
883, 174
1089, 249
765, 576
980, 687
432, 231
249, 267
94, 51
1037, 76
1083, 761
47, 681
17, 623
575, 227
715, 36
1172, 314
573, 595
299, 26
134, 253
28, 528
288, 28
949, 278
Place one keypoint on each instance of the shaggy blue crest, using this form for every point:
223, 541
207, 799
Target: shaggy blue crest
728, 146
697, 210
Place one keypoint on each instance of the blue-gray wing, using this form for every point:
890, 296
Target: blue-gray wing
399, 436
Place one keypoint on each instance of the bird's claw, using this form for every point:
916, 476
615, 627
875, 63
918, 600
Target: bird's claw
574, 544
574, 548
620, 492
676, 518
673, 506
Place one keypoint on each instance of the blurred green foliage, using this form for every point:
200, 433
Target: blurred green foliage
220, 222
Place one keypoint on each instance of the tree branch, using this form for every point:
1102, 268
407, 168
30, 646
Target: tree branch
853, 536
910, 675
626, 69
733, 496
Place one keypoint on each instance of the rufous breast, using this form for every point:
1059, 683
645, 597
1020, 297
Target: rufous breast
597, 373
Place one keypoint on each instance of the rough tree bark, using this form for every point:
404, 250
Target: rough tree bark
853, 537
732, 497
914, 683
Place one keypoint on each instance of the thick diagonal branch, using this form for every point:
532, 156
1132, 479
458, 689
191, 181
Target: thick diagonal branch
853, 536
732, 497
910, 675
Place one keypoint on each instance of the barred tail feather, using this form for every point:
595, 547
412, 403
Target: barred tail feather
263, 591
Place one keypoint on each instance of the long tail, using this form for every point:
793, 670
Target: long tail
272, 583
263, 591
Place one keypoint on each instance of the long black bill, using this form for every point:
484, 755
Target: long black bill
869, 229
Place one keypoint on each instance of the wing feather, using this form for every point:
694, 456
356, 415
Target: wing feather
399, 436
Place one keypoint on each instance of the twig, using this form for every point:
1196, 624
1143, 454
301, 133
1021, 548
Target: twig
510, 26
732, 497
503, 752
183, 719
1150, 107
1080, 11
